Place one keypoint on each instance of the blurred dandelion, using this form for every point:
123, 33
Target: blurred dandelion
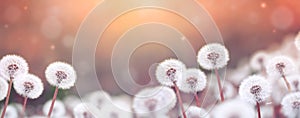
197, 112
291, 105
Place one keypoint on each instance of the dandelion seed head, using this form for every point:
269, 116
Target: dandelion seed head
258, 60
193, 80
169, 71
196, 112
291, 104
234, 108
12, 66
280, 66
59, 109
82, 111
11, 112
255, 89
61, 75
213, 56
3, 88
98, 98
158, 100
29, 86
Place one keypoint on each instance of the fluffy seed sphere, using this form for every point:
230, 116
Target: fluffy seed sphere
291, 104
169, 71
12, 66
158, 100
11, 112
234, 108
61, 75
213, 56
98, 98
59, 109
297, 41
3, 88
82, 110
193, 80
255, 89
280, 66
29, 86
196, 112
258, 60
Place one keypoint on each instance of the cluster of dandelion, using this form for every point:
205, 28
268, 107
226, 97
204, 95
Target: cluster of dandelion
15, 70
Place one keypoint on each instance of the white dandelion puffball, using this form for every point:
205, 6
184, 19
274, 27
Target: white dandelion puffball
193, 80
196, 112
254, 89
11, 112
258, 60
29, 86
12, 66
297, 41
98, 98
59, 109
158, 100
234, 108
61, 75
83, 110
213, 56
3, 88
291, 104
294, 80
280, 66
169, 71
228, 89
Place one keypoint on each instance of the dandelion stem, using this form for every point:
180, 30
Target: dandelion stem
287, 83
219, 84
53, 101
258, 110
179, 100
7, 97
197, 99
24, 107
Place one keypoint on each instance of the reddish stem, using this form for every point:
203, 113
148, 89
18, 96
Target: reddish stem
287, 83
197, 99
53, 101
219, 85
179, 100
258, 110
24, 107
7, 97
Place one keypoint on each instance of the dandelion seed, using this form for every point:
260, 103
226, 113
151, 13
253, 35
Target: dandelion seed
281, 66
61, 75
12, 66
59, 109
28, 86
153, 101
197, 112
291, 105
193, 81
234, 108
3, 88
169, 71
255, 89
